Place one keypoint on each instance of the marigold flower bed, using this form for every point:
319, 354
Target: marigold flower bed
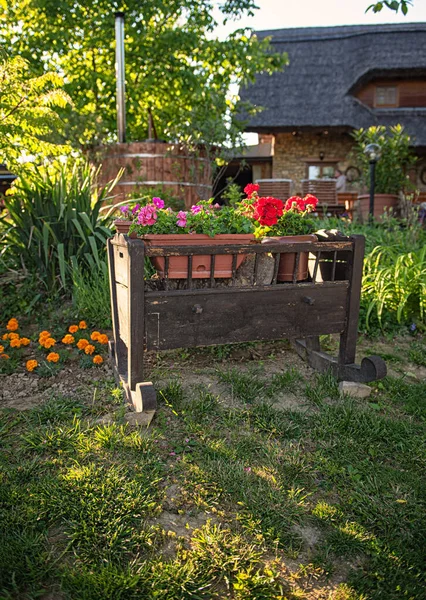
46, 353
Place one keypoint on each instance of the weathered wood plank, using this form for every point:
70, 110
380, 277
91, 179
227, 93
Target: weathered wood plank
121, 258
136, 314
122, 294
248, 248
304, 286
234, 315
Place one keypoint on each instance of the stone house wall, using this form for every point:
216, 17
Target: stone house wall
293, 152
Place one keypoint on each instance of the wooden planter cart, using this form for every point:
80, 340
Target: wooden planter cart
327, 303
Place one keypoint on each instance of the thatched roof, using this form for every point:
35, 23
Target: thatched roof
326, 66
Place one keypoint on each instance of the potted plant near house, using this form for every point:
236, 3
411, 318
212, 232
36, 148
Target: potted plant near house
286, 222
390, 170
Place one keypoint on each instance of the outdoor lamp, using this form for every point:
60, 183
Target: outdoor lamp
373, 153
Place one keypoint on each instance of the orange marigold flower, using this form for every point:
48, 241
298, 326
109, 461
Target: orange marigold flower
98, 360
103, 339
1, 348
13, 336
68, 339
95, 335
31, 365
89, 349
12, 325
5, 336
82, 325
53, 357
44, 334
48, 343
16, 343
4, 356
73, 328
25, 341
82, 344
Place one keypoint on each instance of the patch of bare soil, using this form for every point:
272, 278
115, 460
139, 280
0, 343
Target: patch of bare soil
198, 369
22, 391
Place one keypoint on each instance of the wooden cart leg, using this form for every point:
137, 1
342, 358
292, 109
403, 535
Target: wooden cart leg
142, 394
344, 368
127, 358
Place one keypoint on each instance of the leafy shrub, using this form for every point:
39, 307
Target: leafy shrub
54, 224
394, 282
396, 157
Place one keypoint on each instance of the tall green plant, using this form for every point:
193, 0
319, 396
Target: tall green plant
395, 283
55, 224
396, 157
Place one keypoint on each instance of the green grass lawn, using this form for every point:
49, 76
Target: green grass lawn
252, 481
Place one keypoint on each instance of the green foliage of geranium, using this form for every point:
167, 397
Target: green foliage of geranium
291, 223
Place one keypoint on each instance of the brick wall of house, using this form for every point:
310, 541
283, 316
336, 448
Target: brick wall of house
293, 151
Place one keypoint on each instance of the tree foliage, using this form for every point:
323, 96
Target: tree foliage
175, 65
394, 5
28, 111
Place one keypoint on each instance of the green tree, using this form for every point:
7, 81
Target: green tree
395, 5
28, 112
176, 68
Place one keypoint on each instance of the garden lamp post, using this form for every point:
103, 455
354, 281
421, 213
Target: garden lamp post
373, 153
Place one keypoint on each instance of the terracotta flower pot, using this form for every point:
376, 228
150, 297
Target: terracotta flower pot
122, 226
201, 264
288, 259
381, 202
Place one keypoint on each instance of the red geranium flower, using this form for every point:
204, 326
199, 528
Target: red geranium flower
296, 203
310, 201
268, 210
250, 189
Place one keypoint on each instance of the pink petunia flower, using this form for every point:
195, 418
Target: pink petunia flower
147, 215
158, 202
181, 222
135, 209
196, 209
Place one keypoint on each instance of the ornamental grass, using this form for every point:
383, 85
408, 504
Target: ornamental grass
43, 354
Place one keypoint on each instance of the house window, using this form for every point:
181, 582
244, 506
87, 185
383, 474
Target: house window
321, 171
387, 95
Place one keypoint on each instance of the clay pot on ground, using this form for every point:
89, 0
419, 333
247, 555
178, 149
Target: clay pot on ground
382, 204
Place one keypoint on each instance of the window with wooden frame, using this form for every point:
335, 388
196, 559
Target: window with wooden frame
320, 170
386, 96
